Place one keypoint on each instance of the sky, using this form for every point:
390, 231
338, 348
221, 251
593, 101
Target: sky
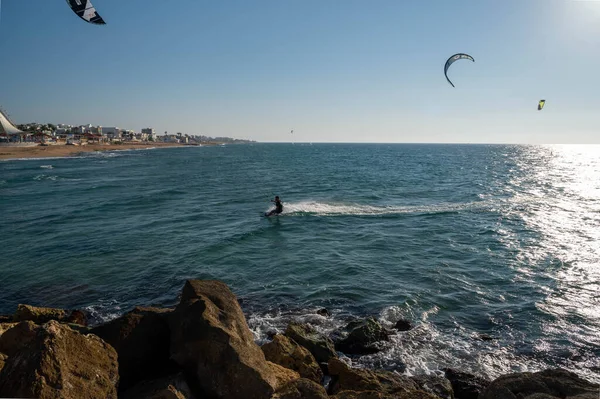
331, 70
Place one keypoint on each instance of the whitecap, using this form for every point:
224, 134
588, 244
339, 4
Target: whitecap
341, 209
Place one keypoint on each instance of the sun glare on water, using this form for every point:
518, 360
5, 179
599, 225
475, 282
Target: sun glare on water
567, 216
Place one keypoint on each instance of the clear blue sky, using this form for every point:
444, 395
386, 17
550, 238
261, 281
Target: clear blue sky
332, 70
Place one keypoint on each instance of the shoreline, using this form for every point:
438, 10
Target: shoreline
56, 151
203, 347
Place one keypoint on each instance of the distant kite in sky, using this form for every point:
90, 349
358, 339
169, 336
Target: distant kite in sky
86, 11
452, 60
541, 104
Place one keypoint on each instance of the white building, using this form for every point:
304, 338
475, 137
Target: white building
149, 132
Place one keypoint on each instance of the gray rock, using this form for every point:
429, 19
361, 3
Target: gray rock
402, 325
465, 385
362, 337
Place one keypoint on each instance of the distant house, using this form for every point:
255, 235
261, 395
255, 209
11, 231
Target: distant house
112, 132
150, 133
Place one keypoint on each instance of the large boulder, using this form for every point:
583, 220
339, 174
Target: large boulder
287, 353
465, 385
142, 340
212, 342
301, 389
363, 337
14, 336
320, 346
170, 387
42, 315
554, 383
345, 378
61, 363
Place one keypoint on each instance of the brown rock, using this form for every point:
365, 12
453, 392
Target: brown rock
6, 325
287, 353
43, 315
38, 315
380, 395
3, 358
142, 339
211, 340
362, 395
171, 387
61, 363
282, 375
439, 386
301, 389
320, 346
16, 335
556, 383
345, 378
77, 317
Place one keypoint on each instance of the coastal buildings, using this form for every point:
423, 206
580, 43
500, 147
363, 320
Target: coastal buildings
47, 134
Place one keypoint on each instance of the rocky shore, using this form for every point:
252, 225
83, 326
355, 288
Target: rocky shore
203, 348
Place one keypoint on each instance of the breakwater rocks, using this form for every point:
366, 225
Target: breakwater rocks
203, 348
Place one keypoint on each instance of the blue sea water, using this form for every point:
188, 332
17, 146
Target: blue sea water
491, 251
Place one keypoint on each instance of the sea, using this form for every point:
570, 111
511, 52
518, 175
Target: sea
492, 252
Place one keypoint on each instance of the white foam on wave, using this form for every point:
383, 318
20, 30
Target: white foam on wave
45, 177
340, 209
425, 349
103, 312
275, 322
46, 166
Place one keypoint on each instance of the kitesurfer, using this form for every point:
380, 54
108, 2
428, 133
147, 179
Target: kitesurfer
278, 207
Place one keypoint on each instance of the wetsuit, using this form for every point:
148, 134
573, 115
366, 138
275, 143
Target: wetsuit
278, 209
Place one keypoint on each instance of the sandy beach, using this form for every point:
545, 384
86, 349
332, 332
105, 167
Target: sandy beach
70, 150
